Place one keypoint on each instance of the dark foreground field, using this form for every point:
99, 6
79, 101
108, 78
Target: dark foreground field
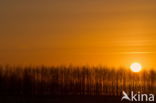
60, 99
72, 84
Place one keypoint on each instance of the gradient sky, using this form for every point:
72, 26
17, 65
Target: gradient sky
79, 32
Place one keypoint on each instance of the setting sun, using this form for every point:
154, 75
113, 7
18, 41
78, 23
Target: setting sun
136, 67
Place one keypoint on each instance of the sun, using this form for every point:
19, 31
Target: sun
136, 67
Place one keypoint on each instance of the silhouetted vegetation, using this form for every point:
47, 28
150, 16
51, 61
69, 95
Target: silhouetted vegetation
73, 81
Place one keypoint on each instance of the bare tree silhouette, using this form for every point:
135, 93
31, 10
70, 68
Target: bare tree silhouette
73, 81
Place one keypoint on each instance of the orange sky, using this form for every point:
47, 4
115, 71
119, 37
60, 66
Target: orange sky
79, 32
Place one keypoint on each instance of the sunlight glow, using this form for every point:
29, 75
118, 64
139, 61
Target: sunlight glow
136, 67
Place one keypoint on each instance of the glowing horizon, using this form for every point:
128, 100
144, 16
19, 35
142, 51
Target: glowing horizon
112, 33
